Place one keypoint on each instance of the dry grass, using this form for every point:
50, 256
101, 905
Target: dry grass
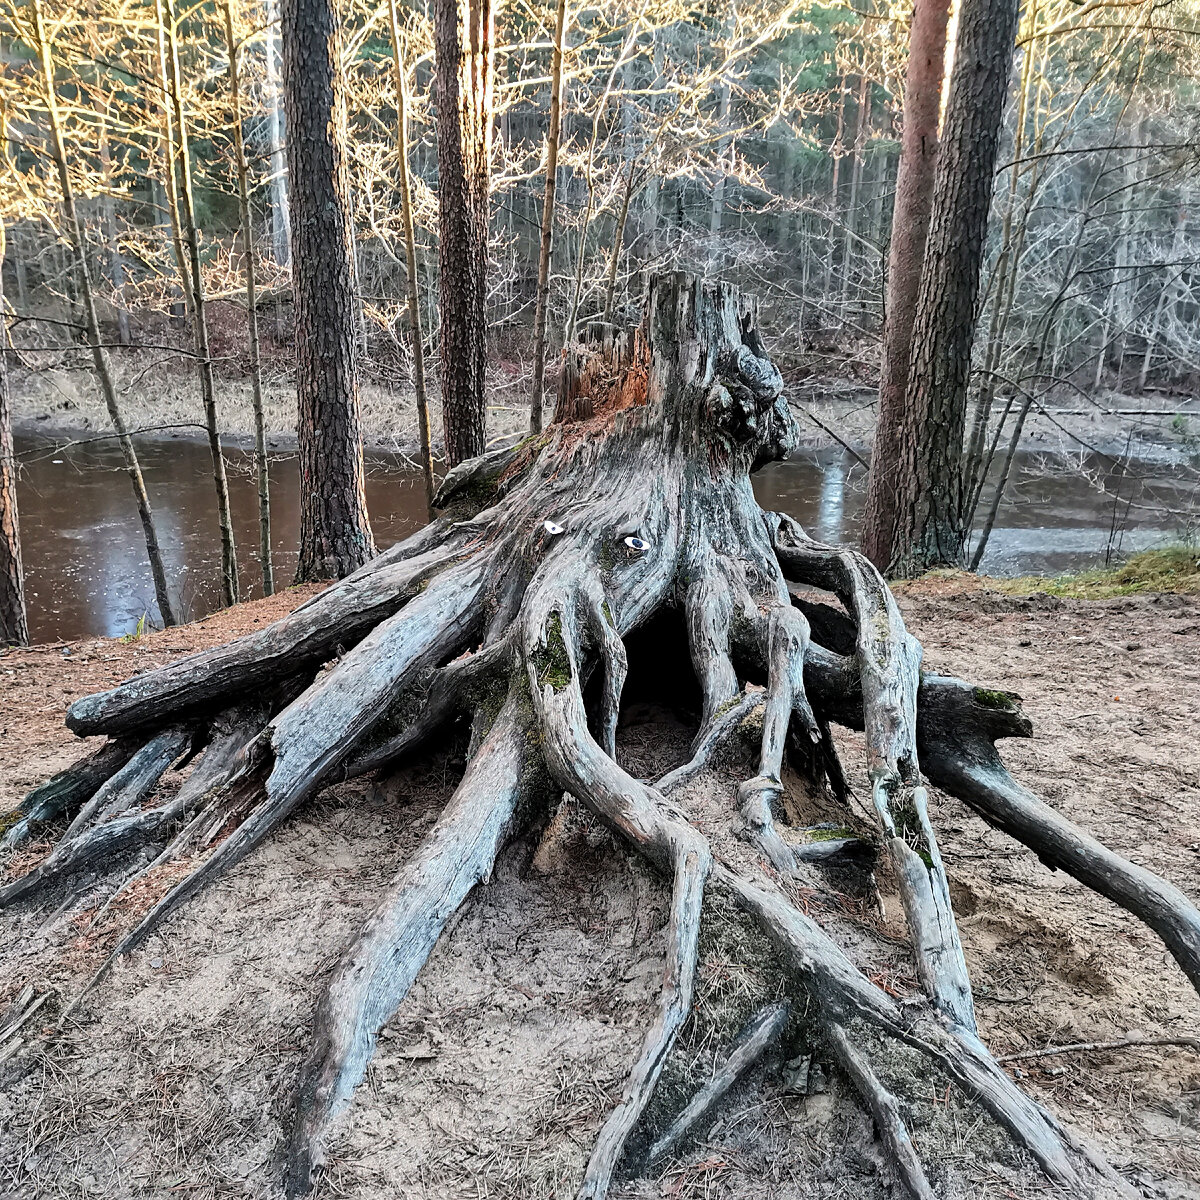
161, 396
1171, 569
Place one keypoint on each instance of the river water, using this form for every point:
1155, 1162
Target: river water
85, 560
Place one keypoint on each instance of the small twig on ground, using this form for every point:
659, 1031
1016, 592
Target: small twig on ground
1084, 1047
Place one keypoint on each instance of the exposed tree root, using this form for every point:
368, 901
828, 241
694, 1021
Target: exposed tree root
375, 974
63, 793
884, 1110
755, 1040
512, 614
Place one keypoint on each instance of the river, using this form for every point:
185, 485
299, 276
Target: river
85, 562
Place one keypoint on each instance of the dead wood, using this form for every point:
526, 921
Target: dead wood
512, 614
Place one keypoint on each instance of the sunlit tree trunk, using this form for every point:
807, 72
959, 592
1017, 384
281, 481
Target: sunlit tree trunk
179, 159
928, 527
861, 122
835, 177
281, 223
547, 234
335, 535
463, 45
906, 256
256, 400
14, 628
410, 256
116, 267
74, 232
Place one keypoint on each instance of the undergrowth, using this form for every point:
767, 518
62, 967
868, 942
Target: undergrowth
1169, 569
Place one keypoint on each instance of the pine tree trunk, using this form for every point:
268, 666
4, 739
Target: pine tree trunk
463, 44
906, 256
335, 535
546, 243
14, 628
929, 527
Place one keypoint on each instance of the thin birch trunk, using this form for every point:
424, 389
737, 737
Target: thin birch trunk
179, 155
14, 624
834, 183
618, 238
547, 234
281, 220
861, 118
410, 257
260, 436
74, 233
116, 268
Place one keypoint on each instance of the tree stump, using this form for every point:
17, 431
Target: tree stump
511, 612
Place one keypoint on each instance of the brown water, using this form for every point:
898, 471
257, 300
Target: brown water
85, 561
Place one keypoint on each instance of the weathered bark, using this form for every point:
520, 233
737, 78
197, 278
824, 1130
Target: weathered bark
634, 503
335, 534
929, 498
262, 469
546, 244
463, 32
410, 256
906, 257
75, 238
14, 628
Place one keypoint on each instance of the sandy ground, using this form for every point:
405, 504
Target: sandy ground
494, 1076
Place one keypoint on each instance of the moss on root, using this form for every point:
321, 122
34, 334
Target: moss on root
830, 833
552, 661
910, 830
991, 699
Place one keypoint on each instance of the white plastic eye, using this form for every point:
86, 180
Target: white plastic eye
636, 543
551, 528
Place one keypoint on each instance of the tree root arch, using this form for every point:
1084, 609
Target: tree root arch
511, 613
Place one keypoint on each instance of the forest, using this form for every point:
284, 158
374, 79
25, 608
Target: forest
534, 542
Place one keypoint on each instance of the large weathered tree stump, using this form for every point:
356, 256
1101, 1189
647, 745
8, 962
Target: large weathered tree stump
511, 612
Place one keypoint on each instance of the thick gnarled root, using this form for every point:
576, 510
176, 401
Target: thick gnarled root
515, 618
377, 971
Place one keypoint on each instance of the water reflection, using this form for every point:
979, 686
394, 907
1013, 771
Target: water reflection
86, 565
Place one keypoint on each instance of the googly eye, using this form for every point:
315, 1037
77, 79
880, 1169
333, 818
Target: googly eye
551, 528
636, 543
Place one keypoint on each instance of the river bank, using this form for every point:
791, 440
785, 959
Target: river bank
513, 1045
1158, 427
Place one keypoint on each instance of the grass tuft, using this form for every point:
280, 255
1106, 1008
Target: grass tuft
1168, 569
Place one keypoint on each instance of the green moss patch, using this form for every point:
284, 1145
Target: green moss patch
552, 661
